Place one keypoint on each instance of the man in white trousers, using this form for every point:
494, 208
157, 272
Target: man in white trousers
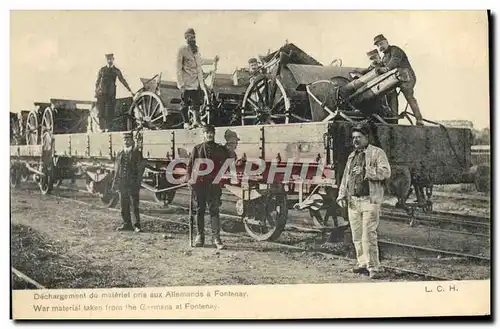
362, 192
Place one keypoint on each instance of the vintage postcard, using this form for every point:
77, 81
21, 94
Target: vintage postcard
249, 164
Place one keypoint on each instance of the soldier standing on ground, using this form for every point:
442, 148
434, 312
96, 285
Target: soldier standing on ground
395, 57
106, 92
190, 78
362, 192
129, 167
205, 189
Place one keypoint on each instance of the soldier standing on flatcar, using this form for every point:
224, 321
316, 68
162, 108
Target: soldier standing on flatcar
106, 92
395, 57
362, 191
129, 167
376, 63
206, 190
190, 78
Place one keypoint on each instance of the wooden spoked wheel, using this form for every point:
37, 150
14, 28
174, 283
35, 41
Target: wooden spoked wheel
149, 112
47, 121
266, 217
265, 102
32, 128
47, 142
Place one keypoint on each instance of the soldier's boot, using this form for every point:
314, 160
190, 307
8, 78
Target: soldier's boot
196, 119
199, 241
215, 219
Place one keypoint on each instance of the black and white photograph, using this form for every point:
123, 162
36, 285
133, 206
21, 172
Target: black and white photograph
221, 151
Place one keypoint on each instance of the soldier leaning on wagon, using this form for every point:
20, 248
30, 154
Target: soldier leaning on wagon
106, 92
376, 63
206, 190
362, 191
395, 57
379, 66
129, 167
254, 69
190, 78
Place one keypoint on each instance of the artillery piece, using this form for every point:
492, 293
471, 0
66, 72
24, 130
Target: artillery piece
294, 87
58, 116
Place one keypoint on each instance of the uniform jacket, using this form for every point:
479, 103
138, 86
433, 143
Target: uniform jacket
377, 170
189, 71
395, 57
219, 155
136, 167
106, 80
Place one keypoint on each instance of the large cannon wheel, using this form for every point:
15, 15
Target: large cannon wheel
47, 121
265, 102
32, 128
266, 216
148, 110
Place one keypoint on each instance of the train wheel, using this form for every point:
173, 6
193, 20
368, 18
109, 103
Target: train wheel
32, 128
108, 197
165, 197
15, 177
266, 217
46, 182
265, 102
482, 178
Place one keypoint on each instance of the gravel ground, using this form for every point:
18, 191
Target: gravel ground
101, 257
65, 244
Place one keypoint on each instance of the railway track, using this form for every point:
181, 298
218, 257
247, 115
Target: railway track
439, 221
384, 245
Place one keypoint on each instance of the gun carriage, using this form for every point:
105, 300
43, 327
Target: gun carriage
292, 127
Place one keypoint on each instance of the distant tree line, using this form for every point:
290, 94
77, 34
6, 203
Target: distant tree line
481, 137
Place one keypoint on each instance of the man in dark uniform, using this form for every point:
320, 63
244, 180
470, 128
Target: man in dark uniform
395, 57
106, 92
129, 167
205, 189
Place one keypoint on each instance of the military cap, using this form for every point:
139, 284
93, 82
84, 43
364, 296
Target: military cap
252, 60
189, 31
127, 134
378, 38
229, 134
372, 53
110, 56
362, 128
208, 128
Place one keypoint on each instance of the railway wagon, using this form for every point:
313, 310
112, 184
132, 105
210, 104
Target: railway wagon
292, 167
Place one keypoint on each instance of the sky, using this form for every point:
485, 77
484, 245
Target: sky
57, 54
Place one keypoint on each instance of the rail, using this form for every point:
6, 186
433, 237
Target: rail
438, 252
